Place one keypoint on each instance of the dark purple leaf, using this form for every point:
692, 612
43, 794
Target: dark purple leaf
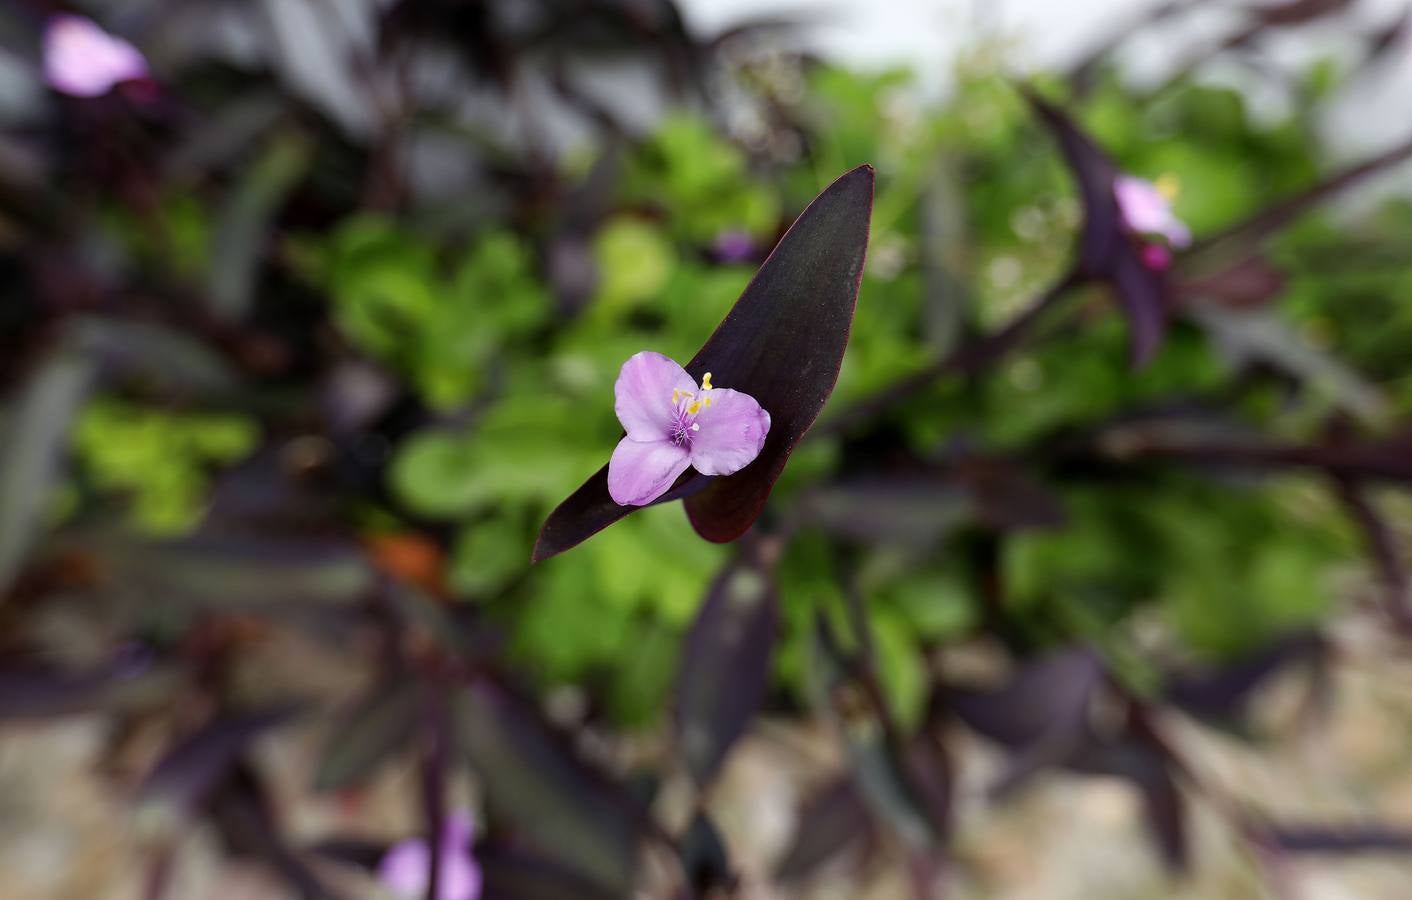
918, 508
1107, 252
1222, 694
1384, 546
915, 511
1141, 291
241, 811
35, 435
782, 343
254, 574
34, 691
881, 766
516, 874
1048, 697
195, 765
377, 727
725, 669
244, 223
1250, 281
831, 821
1298, 12
1361, 838
704, 858
532, 779
151, 352
1005, 497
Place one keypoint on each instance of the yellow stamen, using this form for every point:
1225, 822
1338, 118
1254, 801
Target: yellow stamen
1168, 185
696, 405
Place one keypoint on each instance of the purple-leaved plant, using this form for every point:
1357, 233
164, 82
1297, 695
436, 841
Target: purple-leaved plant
672, 424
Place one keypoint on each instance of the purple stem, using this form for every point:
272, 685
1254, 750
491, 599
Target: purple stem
966, 358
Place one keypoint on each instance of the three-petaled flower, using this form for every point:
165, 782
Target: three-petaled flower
83, 60
1146, 209
672, 424
406, 868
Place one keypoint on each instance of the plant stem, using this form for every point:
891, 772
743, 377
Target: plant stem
968, 357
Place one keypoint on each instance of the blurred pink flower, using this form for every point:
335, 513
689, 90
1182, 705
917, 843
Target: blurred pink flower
83, 60
734, 246
406, 868
1147, 210
672, 424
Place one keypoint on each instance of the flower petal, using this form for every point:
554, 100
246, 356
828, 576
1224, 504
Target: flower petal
404, 868
732, 431
460, 878
83, 60
643, 395
641, 471
1146, 211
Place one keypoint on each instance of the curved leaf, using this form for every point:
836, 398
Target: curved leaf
375, 728
726, 667
1106, 251
195, 765
532, 779
31, 456
783, 344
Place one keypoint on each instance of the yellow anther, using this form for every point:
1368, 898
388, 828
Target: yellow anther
678, 393
706, 382
1168, 185
694, 408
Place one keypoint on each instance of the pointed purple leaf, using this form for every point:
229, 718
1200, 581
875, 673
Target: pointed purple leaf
29, 691
831, 821
782, 343
1106, 251
1047, 696
195, 765
725, 669
375, 728
705, 859
566, 810
1223, 693
1361, 838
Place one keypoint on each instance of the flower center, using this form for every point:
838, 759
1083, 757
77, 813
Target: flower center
688, 404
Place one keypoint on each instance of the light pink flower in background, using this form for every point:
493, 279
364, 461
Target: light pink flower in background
406, 868
1147, 210
83, 60
673, 424
734, 245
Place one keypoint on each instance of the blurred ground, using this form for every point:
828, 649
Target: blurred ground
1065, 838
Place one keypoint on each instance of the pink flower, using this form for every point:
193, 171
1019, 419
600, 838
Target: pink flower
406, 868
1147, 210
83, 60
672, 424
734, 246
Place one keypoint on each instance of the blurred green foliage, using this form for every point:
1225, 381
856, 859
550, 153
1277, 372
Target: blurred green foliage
974, 213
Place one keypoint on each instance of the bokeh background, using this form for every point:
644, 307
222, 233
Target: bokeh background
304, 332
